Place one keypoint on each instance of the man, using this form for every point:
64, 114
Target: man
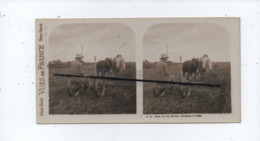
162, 69
162, 74
76, 68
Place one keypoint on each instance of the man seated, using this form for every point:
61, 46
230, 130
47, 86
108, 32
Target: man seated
76, 84
162, 74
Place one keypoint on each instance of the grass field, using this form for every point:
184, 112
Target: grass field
202, 100
119, 97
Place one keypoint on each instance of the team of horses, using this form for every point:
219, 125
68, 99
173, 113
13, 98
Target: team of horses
110, 67
199, 67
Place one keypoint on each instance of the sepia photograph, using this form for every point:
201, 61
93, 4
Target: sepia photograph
81, 53
197, 55
138, 70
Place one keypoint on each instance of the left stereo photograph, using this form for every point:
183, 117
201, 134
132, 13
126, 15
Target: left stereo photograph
75, 60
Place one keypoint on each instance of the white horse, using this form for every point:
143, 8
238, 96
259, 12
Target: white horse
118, 66
205, 65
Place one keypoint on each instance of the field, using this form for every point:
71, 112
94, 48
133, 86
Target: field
202, 100
120, 97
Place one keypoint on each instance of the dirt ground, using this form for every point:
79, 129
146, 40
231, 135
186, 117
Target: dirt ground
202, 100
119, 97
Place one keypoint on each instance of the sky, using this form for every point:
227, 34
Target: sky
98, 39
187, 40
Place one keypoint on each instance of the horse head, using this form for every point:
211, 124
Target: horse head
108, 62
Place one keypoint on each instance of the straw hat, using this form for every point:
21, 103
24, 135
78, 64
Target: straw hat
78, 56
164, 56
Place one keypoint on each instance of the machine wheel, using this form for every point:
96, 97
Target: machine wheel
159, 92
74, 87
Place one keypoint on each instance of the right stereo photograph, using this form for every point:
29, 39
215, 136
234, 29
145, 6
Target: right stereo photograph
189, 64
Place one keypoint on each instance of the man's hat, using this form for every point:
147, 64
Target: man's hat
78, 56
164, 56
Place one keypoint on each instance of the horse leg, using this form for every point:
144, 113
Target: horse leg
104, 82
97, 80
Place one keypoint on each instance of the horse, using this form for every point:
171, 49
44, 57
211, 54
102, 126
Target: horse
190, 66
205, 65
118, 66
